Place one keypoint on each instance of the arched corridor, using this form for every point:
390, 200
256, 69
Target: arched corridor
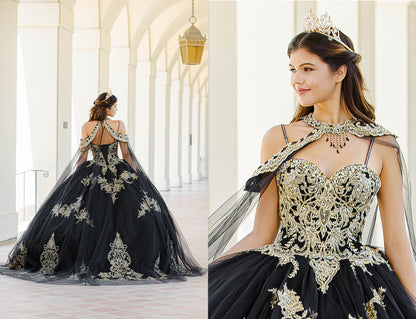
65, 54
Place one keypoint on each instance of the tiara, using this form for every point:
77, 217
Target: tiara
108, 94
323, 25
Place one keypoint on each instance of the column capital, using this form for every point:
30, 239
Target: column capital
120, 55
46, 14
394, 3
92, 39
161, 78
133, 57
143, 67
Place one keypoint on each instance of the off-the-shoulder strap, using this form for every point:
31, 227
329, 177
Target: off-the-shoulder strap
369, 150
277, 159
87, 140
284, 133
118, 136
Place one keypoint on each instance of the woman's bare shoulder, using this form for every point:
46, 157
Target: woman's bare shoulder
273, 141
90, 124
296, 128
87, 128
117, 125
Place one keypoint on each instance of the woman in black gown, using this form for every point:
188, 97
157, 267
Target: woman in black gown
104, 221
307, 256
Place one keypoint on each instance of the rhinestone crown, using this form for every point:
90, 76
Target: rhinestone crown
108, 94
323, 25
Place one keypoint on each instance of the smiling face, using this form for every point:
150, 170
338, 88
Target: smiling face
112, 110
313, 80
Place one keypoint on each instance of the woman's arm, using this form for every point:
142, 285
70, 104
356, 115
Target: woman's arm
267, 220
123, 146
85, 131
390, 199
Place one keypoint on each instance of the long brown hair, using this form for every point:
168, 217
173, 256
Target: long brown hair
335, 54
99, 111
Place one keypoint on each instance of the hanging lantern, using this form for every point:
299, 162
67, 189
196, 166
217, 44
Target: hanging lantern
192, 43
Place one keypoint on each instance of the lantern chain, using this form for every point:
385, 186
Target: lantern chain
192, 18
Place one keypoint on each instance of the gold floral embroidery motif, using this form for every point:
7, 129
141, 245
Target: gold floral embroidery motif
120, 261
83, 214
175, 265
112, 188
290, 304
282, 255
79, 214
378, 297
82, 273
157, 269
112, 158
18, 261
322, 218
49, 257
147, 205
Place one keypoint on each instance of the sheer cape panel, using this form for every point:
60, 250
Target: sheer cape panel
226, 220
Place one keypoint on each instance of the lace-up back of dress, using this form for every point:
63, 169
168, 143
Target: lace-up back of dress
325, 196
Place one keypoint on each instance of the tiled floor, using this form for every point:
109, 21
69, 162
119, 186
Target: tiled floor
25, 299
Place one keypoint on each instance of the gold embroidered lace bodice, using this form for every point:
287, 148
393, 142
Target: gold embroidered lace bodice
105, 157
322, 217
112, 148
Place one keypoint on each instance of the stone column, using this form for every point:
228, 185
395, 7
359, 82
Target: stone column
186, 135
222, 113
104, 61
366, 44
180, 132
142, 119
8, 90
119, 81
196, 104
411, 89
392, 67
204, 138
167, 129
152, 96
174, 152
160, 118
45, 33
90, 74
131, 116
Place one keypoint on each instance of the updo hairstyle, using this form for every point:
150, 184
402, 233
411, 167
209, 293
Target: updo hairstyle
99, 111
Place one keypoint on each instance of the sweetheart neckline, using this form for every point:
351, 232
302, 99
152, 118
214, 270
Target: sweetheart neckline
338, 170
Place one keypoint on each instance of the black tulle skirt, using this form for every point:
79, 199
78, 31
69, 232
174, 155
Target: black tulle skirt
103, 224
254, 285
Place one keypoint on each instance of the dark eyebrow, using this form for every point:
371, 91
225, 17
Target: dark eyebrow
303, 64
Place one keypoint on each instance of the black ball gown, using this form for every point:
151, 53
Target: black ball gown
317, 266
103, 223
